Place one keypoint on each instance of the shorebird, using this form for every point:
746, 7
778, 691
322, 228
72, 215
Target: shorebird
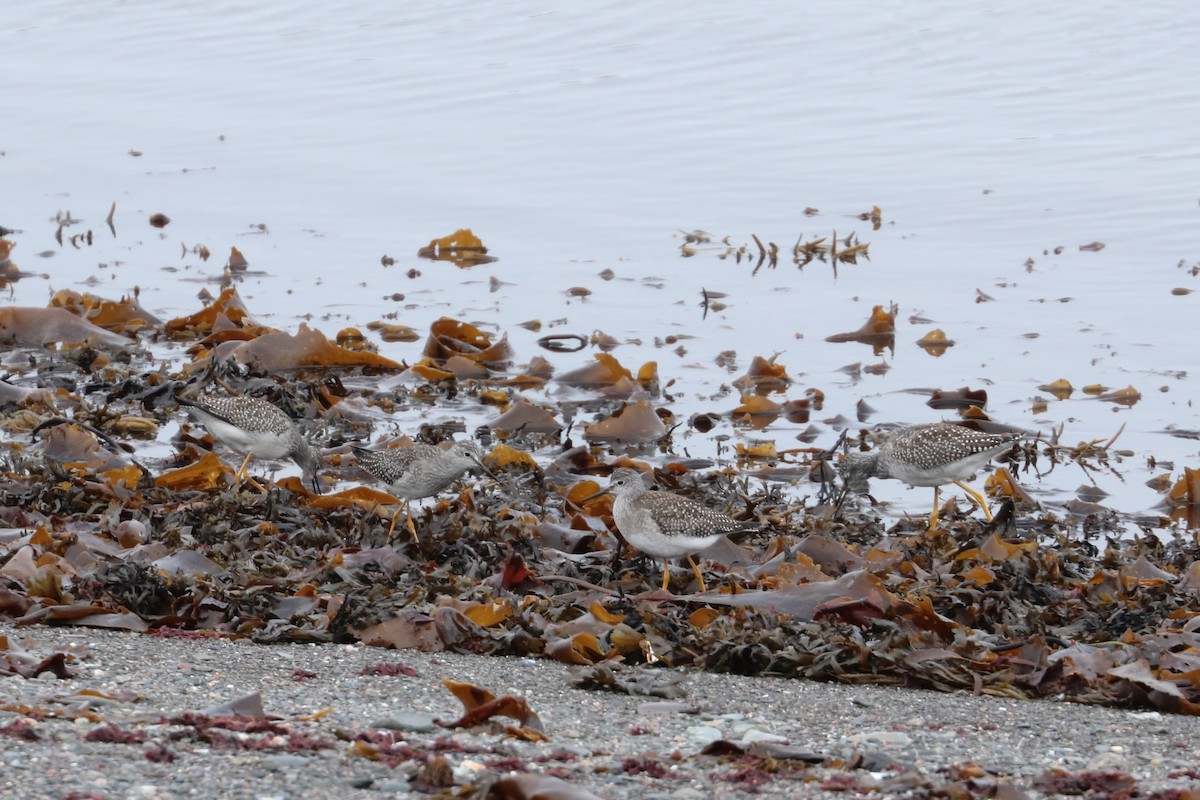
929, 455
256, 428
420, 470
665, 525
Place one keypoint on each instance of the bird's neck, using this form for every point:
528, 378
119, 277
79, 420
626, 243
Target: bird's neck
630, 494
878, 467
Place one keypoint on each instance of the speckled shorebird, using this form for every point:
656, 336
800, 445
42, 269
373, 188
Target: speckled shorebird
420, 470
256, 428
665, 525
929, 455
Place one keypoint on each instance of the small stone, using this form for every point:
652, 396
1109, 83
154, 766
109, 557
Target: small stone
465, 772
754, 735
1109, 762
407, 721
393, 788
703, 734
130, 533
881, 738
284, 761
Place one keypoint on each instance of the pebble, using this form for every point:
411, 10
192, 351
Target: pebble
740, 728
880, 738
1109, 762
407, 721
704, 734
754, 735
393, 787
465, 772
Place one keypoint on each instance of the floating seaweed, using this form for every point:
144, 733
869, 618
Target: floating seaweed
461, 248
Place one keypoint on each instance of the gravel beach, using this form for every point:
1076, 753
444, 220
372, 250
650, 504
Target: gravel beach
120, 729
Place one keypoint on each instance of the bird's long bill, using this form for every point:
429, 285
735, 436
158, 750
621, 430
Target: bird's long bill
486, 471
839, 499
591, 497
827, 455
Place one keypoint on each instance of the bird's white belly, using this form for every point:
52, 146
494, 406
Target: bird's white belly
958, 471
413, 485
642, 532
261, 445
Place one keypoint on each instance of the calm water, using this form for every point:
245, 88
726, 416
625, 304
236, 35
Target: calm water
574, 141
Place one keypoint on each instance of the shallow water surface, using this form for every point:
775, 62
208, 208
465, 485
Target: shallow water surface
996, 141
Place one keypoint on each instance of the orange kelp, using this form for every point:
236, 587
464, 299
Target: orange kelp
449, 337
227, 311
879, 331
461, 248
120, 316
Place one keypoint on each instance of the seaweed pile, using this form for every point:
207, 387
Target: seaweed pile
94, 536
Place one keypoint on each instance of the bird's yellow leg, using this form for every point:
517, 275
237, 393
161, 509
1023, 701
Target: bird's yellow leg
666, 574
408, 519
696, 570
411, 527
977, 497
243, 475
933, 515
392, 527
